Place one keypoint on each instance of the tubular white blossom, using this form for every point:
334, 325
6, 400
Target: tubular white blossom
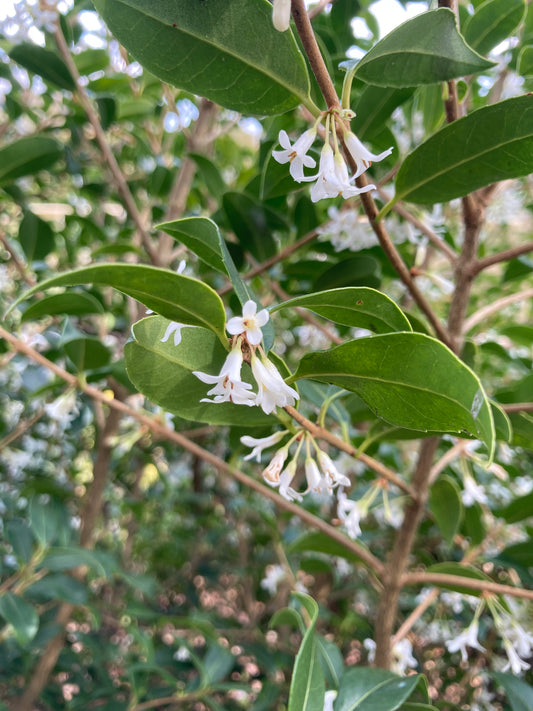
361, 155
472, 492
467, 638
272, 471
228, 384
272, 390
350, 514
261, 443
249, 323
281, 14
315, 481
330, 471
296, 154
333, 179
285, 480
173, 327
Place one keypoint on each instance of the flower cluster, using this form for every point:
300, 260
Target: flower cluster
229, 386
332, 179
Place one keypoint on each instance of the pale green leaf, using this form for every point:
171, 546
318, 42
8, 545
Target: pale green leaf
21, 616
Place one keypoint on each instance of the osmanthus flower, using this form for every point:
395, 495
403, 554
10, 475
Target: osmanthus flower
332, 475
467, 638
362, 156
329, 700
260, 443
517, 641
249, 324
281, 14
402, 655
271, 473
272, 390
285, 481
229, 387
352, 512
296, 154
173, 328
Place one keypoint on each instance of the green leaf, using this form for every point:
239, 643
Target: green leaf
217, 663
211, 175
518, 554
202, 236
408, 379
43, 62
424, 50
252, 222
368, 689
36, 237
502, 422
70, 557
518, 510
493, 22
214, 49
163, 372
417, 707
43, 520
491, 144
446, 506
525, 62
519, 694
71, 304
307, 684
331, 660
59, 586
20, 537
21, 616
27, 156
322, 543
91, 60
174, 296
353, 306
461, 571
374, 106
87, 353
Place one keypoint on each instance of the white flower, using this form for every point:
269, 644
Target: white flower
274, 574
361, 155
64, 409
370, 646
472, 492
272, 390
315, 481
332, 179
467, 638
285, 480
296, 154
173, 327
402, 655
330, 471
261, 443
517, 642
350, 513
329, 699
228, 384
272, 471
281, 14
515, 663
249, 323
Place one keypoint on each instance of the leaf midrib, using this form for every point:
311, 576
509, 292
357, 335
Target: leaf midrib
275, 78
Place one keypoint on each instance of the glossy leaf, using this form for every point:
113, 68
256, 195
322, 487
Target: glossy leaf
331, 660
87, 353
252, 223
373, 106
163, 372
368, 689
59, 586
519, 694
424, 50
358, 307
43, 62
446, 506
212, 49
20, 538
492, 22
525, 62
214, 182
502, 423
36, 237
177, 297
70, 557
322, 543
44, 521
21, 616
27, 156
71, 304
307, 684
491, 144
202, 236
409, 380
518, 510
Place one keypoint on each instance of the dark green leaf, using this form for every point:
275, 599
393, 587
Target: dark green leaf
493, 22
214, 182
21, 616
518, 554
43, 62
502, 423
353, 306
177, 297
525, 62
409, 380
217, 663
366, 689
446, 506
322, 543
362, 270
252, 223
202, 236
68, 558
374, 106
163, 372
27, 156
491, 144
518, 510
44, 521
72, 304
58, 586
20, 537
331, 659
519, 694
87, 353
91, 60
424, 50
307, 683
214, 50
36, 237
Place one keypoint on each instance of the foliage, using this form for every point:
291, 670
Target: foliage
175, 294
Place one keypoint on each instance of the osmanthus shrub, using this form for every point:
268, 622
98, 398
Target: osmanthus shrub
372, 334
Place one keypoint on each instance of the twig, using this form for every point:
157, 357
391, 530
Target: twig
166, 433
503, 256
19, 430
495, 307
458, 581
118, 177
319, 8
17, 263
518, 407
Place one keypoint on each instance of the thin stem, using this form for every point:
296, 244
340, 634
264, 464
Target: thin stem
503, 256
118, 177
494, 308
444, 580
17, 263
161, 430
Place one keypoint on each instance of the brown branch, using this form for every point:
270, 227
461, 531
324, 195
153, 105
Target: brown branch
518, 407
324, 434
164, 432
17, 263
20, 429
445, 580
494, 308
503, 256
118, 177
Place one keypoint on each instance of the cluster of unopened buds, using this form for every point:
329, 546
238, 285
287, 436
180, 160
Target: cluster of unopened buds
333, 179
272, 391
